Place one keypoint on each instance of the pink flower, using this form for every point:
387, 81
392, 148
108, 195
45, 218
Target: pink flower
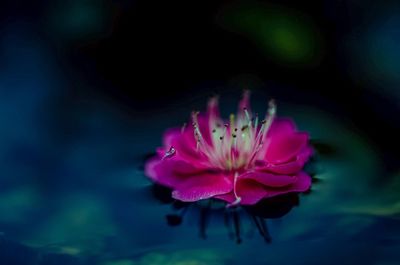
240, 161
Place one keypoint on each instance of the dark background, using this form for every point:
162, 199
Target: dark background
147, 55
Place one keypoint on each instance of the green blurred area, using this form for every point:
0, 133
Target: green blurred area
286, 36
80, 19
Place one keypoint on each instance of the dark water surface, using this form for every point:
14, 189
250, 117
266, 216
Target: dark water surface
77, 195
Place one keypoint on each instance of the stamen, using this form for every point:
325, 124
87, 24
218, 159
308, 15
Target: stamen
237, 143
232, 121
224, 131
266, 124
249, 123
234, 150
201, 145
260, 132
256, 121
247, 117
271, 116
196, 127
238, 199
258, 148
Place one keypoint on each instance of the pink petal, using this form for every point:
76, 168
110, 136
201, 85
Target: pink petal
204, 127
228, 197
170, 136
170, 172
268, 179
281, 126
302, 184
251, 187
183, 142
213, 108
290, 167
282, 148
202, 186
252, 191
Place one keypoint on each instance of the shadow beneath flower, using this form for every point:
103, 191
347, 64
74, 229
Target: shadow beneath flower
275, 207
233, 218
162, 193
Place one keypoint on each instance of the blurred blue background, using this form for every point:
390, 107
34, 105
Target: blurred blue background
87, 88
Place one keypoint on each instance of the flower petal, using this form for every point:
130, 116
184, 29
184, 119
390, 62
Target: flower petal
302, 184
170, 172
283, 142
290, 167
184, 144
268, 179
281, 126
202, 186
251, 190
170, 135
213, 109
204, 127
228, 197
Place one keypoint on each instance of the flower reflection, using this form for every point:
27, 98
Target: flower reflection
234, 218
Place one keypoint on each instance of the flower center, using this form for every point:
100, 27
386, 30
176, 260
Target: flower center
234, 145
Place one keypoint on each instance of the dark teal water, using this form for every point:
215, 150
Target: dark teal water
75, 193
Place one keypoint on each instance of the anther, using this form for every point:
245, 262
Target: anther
247, 115
256, 121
